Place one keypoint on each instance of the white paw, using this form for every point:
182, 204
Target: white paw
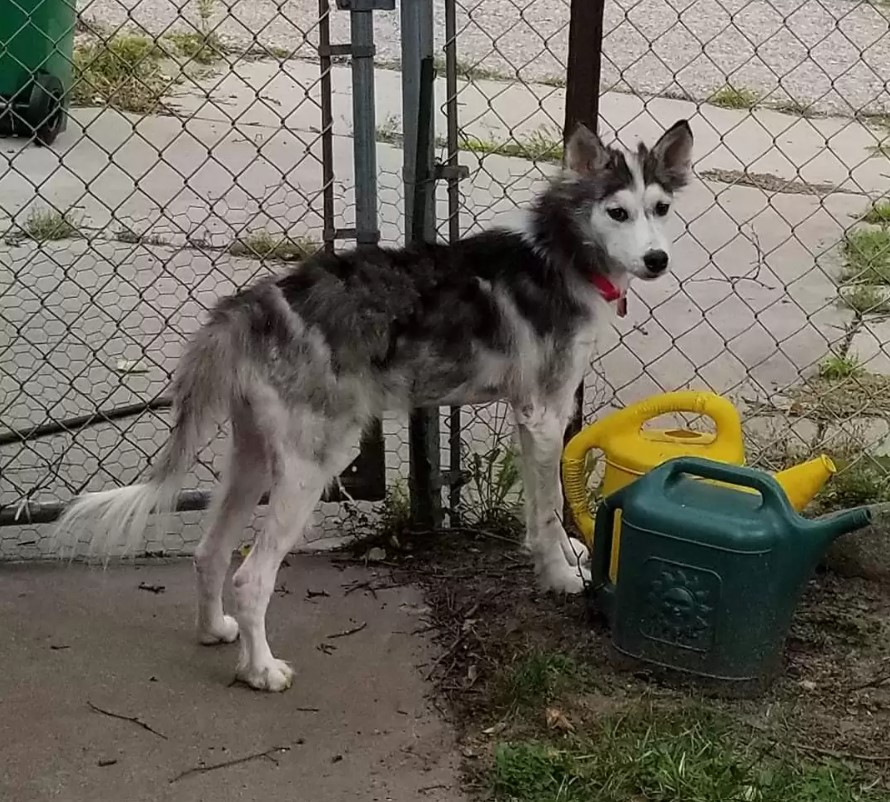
575, 551
559, 577
227, 632
276, 677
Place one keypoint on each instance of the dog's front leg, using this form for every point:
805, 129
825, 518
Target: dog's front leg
558, 558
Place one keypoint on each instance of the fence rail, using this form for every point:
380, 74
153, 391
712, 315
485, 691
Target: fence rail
211, 142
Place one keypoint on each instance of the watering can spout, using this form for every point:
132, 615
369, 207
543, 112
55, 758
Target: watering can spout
802, 482
829, 528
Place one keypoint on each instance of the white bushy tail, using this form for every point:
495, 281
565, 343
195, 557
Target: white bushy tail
114, 521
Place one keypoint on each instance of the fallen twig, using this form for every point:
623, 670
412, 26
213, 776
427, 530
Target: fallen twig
152, 588
347, 632
267, 755
447, 653
314, 594
132, 719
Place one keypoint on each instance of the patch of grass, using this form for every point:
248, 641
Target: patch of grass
536, 680
123, 71
839, 366
731, 97
796, 107
45, 225
878, 213
682, 756
202, 45
866, 300
867, 255
263, 244
474, 72
389, 131
863, 481
204, 48
539, 146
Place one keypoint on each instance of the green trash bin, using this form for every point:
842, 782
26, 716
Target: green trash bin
36, 51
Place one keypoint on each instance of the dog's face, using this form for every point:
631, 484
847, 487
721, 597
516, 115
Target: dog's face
629, 196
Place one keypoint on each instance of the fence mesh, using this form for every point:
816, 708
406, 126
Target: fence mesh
192, 163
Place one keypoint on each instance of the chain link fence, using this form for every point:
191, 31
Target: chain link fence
210, 142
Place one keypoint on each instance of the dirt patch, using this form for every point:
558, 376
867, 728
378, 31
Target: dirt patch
515, 663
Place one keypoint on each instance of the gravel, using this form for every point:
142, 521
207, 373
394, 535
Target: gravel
832, 55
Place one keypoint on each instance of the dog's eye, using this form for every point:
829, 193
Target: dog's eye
617, 213
662, 208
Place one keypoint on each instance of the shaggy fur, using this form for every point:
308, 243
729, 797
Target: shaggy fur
300, 363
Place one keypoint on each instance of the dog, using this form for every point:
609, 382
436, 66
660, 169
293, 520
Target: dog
299, 363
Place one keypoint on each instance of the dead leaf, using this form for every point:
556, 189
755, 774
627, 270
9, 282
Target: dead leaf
495, 729
556, 720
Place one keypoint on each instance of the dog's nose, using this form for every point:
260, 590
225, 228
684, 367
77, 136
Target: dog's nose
655, 261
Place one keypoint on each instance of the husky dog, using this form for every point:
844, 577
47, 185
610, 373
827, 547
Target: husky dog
301, 362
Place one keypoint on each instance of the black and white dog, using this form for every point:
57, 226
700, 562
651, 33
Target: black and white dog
300, 363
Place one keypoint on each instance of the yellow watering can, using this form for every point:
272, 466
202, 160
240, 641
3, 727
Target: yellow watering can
630, 451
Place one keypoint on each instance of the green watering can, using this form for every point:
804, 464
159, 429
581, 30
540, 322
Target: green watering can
710, 577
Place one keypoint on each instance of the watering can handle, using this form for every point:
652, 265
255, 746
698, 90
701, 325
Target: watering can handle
718, 409
601, 555
766, 485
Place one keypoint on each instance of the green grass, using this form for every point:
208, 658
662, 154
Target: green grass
864, 481
539, 146
123, 71
731, 97
537, 679
867, 256
796, 107
865, 299
265, 245
840, 367
683, 756
44, 225
201, 47
878, 213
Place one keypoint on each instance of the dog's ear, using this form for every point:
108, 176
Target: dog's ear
585, 152
671, 156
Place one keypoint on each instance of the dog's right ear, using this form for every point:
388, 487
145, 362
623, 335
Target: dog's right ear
585, 152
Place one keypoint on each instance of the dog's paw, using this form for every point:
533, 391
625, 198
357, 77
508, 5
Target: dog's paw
276, 677
225, 632
575, 552
559, 577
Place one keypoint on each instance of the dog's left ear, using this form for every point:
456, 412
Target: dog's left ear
672, 156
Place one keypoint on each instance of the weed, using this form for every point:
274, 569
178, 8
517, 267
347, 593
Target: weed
44, 225
863, 481
474, 72
865, 299
867, 255
878, 213
839, 366
123, 71
685, 756
539, 146
495, 488
796, 107
263, 244
730, 97
128, 235
389, 131
202, 45
536, 680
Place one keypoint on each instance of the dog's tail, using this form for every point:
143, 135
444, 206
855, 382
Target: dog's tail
114, 521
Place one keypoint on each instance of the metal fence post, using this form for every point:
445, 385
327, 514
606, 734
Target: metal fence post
418, 111
583, 100
364, 138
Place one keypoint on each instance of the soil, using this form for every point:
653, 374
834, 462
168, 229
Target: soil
831, 699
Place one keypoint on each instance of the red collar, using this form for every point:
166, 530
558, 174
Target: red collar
610, 293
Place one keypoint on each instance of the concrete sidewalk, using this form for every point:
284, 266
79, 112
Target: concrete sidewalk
356, 724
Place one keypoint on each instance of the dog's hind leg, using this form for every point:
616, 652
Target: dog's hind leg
245, 479
558, 558
299, 482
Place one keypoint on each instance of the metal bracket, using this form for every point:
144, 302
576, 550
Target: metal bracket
354, 51
448, 172
366, 5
